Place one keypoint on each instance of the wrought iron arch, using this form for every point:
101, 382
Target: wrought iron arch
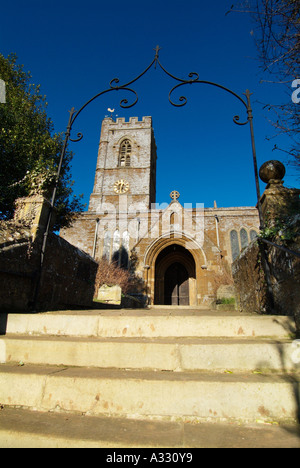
193, 78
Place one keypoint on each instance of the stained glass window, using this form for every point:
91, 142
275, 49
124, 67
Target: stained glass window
235, 248
244, 238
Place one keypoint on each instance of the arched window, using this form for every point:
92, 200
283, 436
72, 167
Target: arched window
174, 219
106, 246
125, 154
253, 235
244, 238
116, 247
235, 247
125, 240
116, 242
124, 261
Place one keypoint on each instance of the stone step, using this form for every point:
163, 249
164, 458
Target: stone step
172, 354
147, 323
21, 428
146, 395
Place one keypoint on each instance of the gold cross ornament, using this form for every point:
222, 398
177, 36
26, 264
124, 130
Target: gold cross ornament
174, 195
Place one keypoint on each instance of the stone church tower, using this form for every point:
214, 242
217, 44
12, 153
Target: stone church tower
126, 164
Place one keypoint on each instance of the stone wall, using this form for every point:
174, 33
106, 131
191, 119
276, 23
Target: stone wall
68, 278
286, 283
68, 274
281, 215
249, 281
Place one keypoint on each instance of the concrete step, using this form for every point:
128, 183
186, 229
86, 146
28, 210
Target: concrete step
150, 323
143, 369
172, 354
21, 428
146, 395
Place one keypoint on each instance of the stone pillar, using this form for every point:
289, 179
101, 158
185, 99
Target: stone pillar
277, 201
282, 204
33, 212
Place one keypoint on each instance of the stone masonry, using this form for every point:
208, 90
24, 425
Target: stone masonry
281, 214
68, 274
139, 173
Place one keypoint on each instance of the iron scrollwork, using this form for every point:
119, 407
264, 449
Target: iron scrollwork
79, 137
182, 100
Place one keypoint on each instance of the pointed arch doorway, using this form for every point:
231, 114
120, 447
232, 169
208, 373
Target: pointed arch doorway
175, 277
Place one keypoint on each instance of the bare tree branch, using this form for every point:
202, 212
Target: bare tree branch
277, 37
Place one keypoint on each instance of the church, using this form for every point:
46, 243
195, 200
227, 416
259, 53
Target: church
183, 253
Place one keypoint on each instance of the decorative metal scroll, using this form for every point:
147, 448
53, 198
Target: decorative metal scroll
182, 100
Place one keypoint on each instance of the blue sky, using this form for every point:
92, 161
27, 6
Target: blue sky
74, 49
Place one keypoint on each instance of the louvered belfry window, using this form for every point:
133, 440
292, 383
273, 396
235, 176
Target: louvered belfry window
125, 153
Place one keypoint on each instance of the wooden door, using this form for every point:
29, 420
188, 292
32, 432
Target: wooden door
176, 285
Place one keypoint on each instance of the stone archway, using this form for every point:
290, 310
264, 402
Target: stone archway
158, 259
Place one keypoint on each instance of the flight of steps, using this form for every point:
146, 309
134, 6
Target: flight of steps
143, 378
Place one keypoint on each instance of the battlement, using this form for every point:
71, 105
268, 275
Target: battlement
133, 122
